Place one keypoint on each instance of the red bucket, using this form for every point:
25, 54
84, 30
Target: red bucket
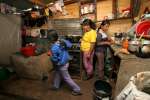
28, 51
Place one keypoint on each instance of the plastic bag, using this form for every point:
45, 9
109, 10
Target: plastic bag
138, 88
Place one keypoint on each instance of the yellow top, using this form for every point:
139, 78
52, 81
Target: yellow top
87, 39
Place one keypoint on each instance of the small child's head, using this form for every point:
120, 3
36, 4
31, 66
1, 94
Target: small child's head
88, 24
52, 35
104, 25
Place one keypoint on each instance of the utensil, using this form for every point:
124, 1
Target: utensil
141, 36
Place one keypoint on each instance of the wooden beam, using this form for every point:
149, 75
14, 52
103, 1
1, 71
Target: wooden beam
42, 3
66, 2
38, 2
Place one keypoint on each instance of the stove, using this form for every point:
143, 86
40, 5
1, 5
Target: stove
76, 61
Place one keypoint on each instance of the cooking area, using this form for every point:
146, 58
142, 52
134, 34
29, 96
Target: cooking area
75, 49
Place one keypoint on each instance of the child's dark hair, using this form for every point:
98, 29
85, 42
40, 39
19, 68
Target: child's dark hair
90, 23
104, 22
42, 31
52, 35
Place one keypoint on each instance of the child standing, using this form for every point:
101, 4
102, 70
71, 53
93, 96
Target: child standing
103, 43
87, 45
60, 60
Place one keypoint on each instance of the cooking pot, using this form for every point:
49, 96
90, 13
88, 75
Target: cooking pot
134, 46
145, 47
144, 51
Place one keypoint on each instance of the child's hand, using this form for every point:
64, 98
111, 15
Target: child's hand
49, 53
88, 54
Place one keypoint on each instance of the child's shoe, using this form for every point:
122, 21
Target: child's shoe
76, 93
54, 88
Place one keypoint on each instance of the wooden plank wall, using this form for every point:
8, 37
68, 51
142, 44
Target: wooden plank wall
120, 26
72, 9
104, 8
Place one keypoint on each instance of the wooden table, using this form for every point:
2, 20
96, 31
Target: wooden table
129, 66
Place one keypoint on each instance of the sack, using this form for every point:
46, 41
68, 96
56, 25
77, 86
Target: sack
138, 88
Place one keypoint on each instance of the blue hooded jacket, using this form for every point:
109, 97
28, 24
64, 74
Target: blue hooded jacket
60, 55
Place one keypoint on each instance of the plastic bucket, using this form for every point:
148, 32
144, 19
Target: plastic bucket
102, 90
4, 73
28, 51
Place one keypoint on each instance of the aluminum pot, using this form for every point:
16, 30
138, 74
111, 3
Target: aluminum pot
134, 46
144, 51
145, 47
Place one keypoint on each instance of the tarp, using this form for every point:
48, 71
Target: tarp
10, 37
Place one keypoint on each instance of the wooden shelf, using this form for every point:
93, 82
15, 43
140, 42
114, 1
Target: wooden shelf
86, 1
121, 18
45, 26
88, 13
67, 2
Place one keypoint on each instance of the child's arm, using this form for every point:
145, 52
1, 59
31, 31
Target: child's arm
55, 54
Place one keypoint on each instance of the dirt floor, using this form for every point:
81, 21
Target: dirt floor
25, 89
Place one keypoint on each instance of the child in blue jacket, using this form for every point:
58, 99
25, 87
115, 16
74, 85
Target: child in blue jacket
60, 58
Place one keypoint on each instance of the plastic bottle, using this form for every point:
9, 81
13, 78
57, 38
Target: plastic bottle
125, 44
